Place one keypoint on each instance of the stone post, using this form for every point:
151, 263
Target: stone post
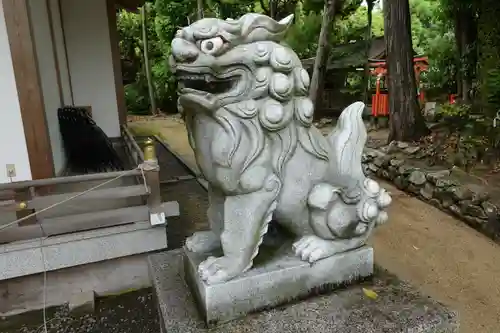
152, 175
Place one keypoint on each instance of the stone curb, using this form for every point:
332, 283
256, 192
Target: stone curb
437, 188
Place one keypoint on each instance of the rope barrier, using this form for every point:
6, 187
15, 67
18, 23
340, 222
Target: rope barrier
146, 166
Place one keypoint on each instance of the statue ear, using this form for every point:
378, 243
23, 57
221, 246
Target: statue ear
287, 21
257, 27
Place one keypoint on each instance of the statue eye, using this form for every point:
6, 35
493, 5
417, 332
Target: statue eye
212, 45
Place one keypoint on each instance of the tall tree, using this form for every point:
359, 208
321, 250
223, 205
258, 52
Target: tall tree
278, 9
464, 17
147, 65
199, 9
489, 55
320, 63
406, 120
370, 4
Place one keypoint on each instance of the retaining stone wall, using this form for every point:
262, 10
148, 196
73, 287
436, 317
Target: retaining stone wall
467, 202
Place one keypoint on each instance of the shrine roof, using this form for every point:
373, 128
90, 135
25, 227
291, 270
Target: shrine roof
351, 55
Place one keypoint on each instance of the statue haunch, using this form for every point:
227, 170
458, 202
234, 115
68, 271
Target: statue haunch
245, 100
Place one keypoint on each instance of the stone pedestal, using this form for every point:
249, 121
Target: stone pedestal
397, 309
282, 279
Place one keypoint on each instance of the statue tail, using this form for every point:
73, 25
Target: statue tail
347, 141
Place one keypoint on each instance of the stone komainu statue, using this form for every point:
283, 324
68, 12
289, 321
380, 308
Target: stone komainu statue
249, 120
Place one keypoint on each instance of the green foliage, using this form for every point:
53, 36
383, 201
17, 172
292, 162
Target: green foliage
230, 8
476, 138
165, 17
489, 56
135, 98
443, 67
453, 111
303, 35
432, 35
493, 83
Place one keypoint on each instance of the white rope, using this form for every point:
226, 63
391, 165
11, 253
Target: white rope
5, 226
147, 166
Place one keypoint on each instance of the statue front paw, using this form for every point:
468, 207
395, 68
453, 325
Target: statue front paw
375, 200
203, 242
216, 270
313, 248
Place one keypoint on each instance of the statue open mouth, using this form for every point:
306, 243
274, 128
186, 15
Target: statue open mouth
199, 88
205, 83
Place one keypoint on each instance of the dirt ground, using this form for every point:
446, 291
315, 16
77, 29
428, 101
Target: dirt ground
442, 256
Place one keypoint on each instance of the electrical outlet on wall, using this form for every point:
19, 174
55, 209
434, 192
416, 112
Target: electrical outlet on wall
11, 170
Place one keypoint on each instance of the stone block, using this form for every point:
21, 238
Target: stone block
398, 307
82, 303
276, 281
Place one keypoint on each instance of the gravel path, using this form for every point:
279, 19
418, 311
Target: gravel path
134, 312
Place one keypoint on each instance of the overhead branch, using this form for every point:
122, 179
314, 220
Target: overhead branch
266, 10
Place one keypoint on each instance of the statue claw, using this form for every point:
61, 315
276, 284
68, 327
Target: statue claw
312, 248
203, 242
216, 270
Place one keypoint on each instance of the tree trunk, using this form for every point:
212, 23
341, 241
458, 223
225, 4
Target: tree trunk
366, 78
465, 37
320, 63
199, 11
406, 121
272, 8
147, 66
489, 51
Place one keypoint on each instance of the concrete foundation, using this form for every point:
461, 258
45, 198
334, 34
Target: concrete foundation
105, 278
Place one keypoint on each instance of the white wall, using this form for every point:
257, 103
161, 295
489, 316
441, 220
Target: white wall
60, 51
48, 77
90, 60
12, 141
87, 73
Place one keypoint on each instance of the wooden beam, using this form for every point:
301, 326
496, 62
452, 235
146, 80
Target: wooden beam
134, 149
74, 223
68, 179
116, 59
71, 224
24, 61
121, 192
79, 249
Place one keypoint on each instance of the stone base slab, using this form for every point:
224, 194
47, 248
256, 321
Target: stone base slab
398, 308
279, 280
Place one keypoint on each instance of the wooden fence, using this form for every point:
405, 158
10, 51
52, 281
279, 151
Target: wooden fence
125, 197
